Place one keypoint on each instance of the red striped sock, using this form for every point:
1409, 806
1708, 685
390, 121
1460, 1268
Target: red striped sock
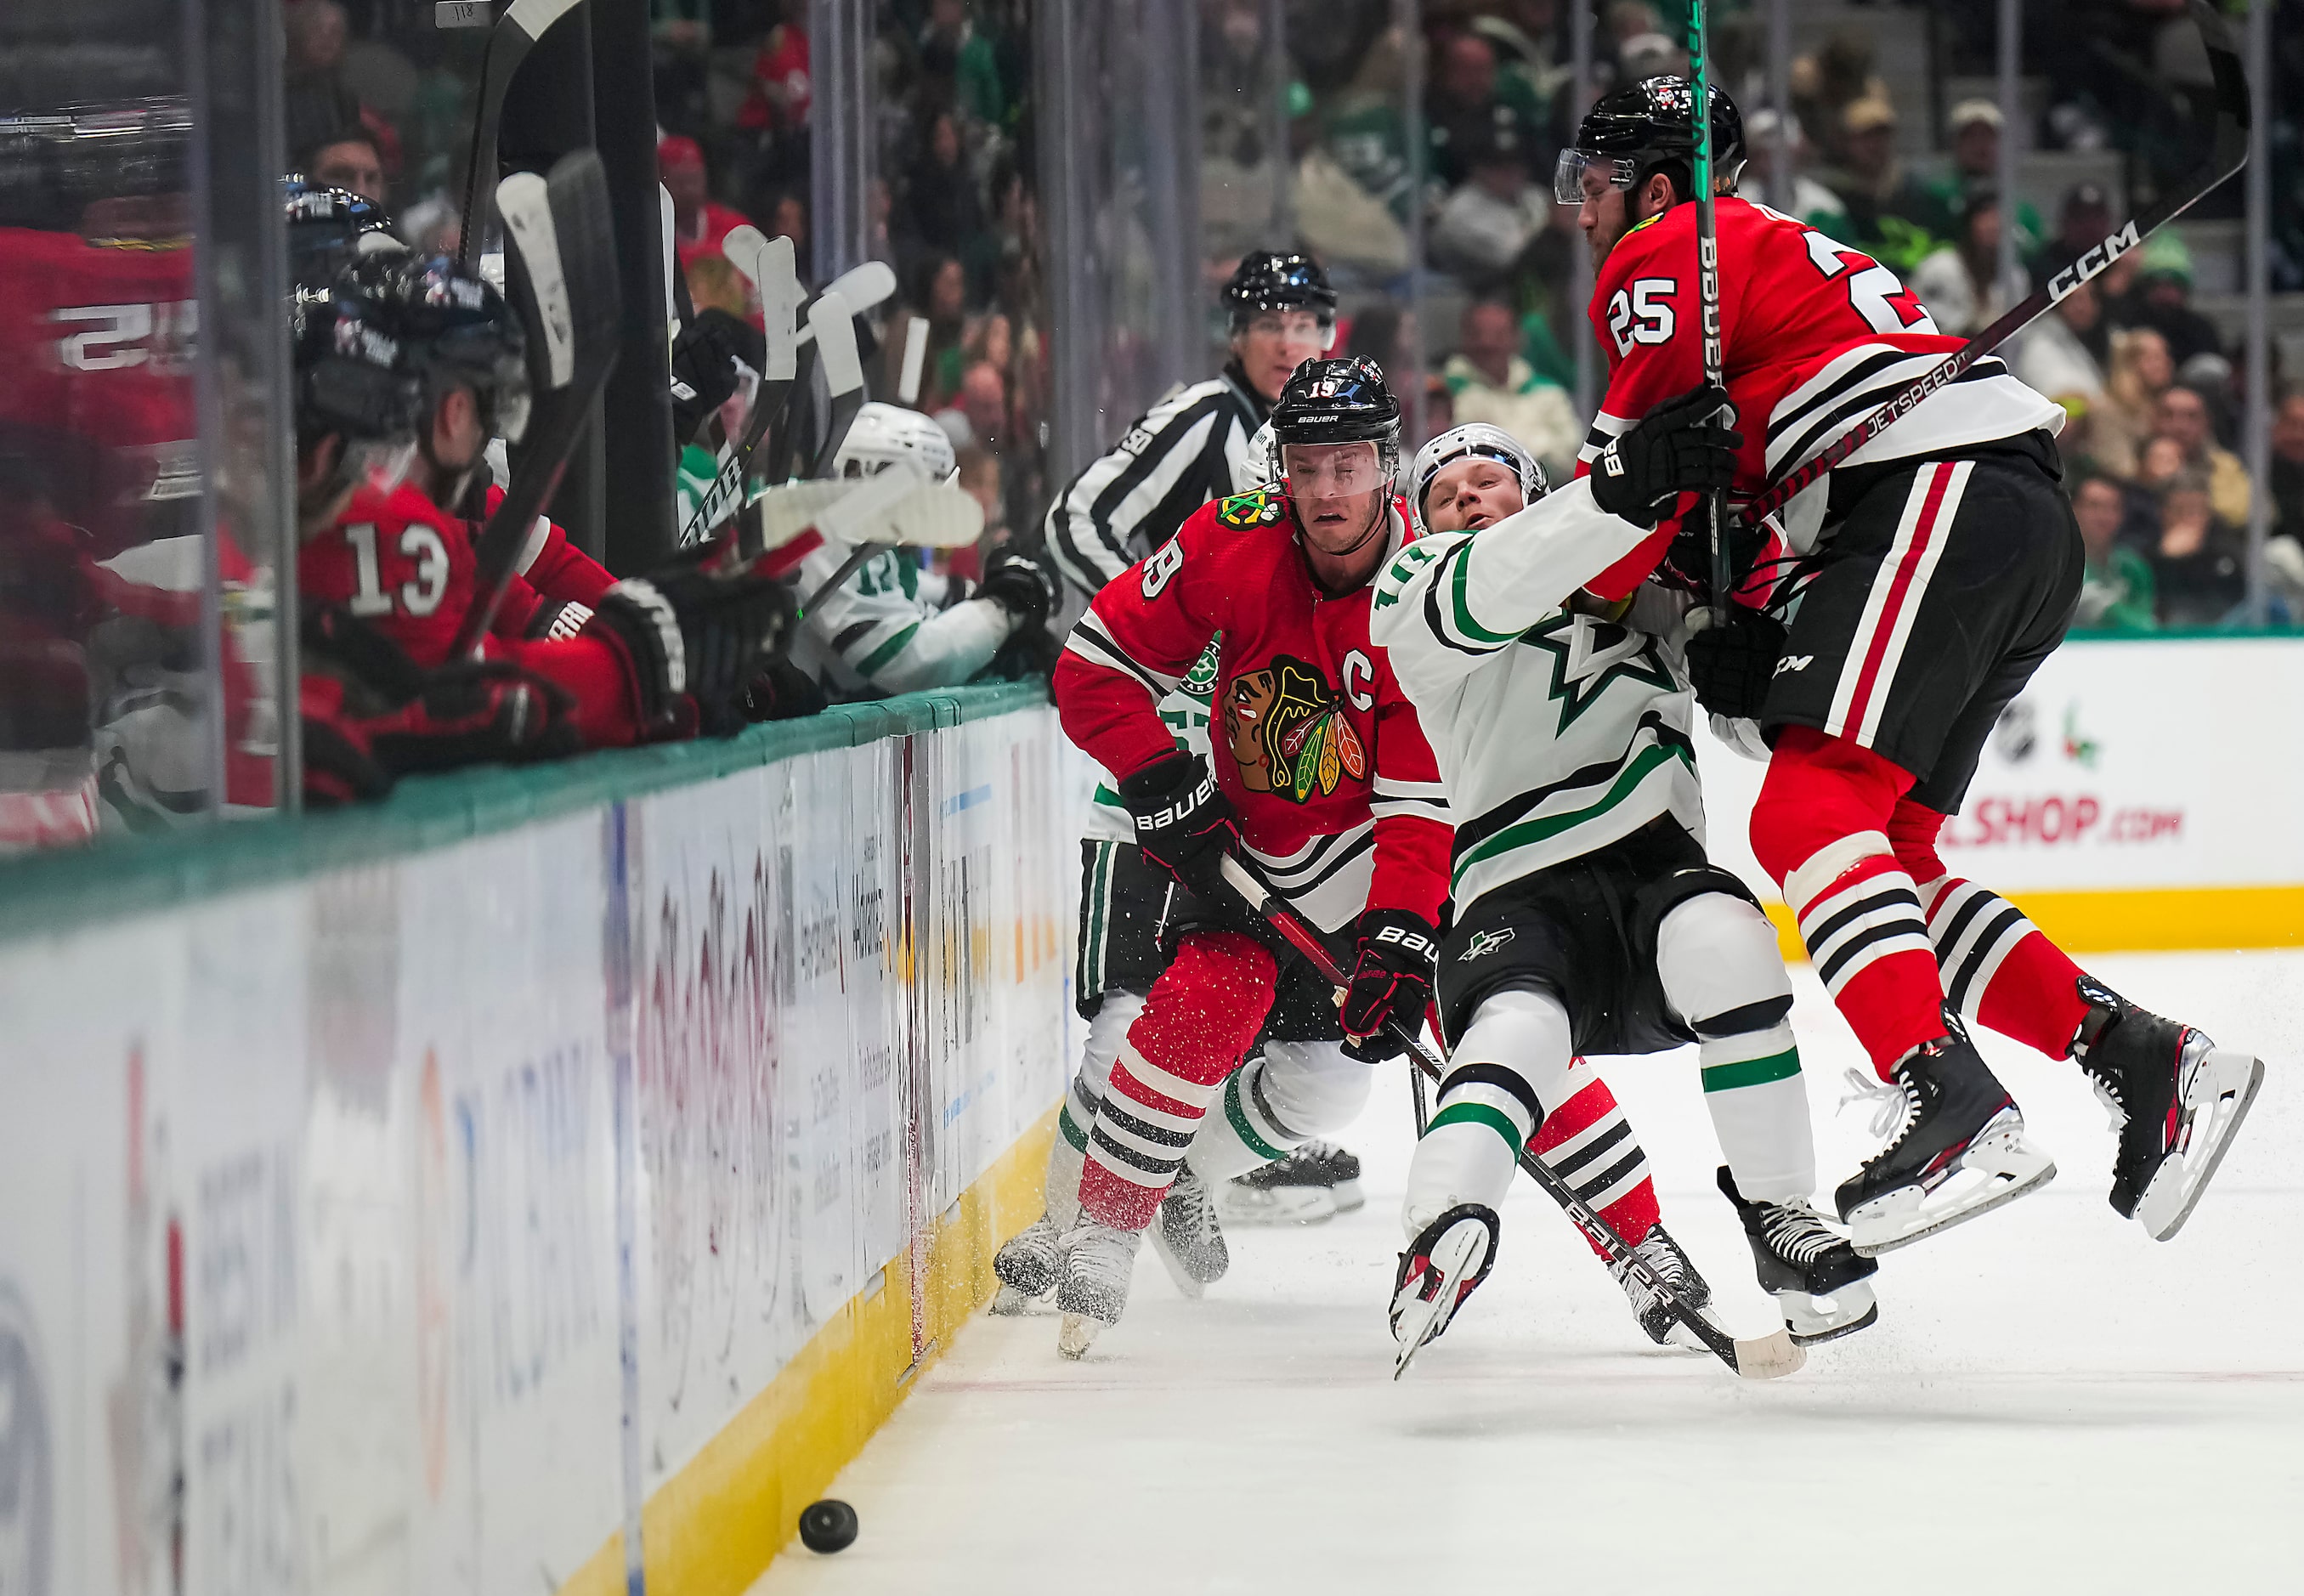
2000, 970
1589, 1144
1201, 1017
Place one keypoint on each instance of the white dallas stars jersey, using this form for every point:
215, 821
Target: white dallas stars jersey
1186, 711
1556, 733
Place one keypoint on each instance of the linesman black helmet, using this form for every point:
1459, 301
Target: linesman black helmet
1633, 133
1266, 280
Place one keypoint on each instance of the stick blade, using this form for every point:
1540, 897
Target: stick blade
560, 267
1770, 1357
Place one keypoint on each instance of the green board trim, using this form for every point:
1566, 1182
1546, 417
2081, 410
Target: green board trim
54, 895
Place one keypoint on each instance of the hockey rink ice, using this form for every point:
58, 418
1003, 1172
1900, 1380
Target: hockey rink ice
2050, 1403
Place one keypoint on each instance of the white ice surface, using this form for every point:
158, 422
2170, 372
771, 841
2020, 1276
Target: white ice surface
2051, 1402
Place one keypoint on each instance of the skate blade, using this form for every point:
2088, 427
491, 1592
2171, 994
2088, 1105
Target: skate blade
1460, 1254
1188, 1285
2008, 1165
1076, 1334
1012, 1304
1770, 1357
1282, 1205
2222, 1094
1852, 1308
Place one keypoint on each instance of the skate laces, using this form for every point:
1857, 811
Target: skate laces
1894, 1105
1200, 1206
1795, 1232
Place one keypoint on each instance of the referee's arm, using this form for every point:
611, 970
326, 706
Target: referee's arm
1169, 465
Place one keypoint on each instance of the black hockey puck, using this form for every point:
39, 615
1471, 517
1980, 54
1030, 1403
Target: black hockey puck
828, 1525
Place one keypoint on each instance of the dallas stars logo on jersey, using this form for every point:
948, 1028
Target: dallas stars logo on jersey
1588, 654
1479, 944
1288, 732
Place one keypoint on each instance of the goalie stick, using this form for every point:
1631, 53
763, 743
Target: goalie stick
514, 34
2227, 155
1758, 1357
560, 262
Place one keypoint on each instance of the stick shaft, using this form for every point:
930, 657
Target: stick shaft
1707, 277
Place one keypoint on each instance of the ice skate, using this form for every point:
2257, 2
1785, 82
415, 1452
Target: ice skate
1317, 1180
1663, 1254
1092, 1278
1958, 1150
1026, 1265
2176, 1099
1186, 1236
1820, 1282
1441, 1267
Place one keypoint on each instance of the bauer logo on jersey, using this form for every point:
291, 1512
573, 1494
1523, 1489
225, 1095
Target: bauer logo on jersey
1481, 944
1260, 506
1288, 732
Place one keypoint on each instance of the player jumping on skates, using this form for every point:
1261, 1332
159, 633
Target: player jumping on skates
1586, 915
1919, 583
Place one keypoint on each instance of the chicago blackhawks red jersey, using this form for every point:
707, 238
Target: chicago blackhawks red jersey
1338, 793
97, 336
406, 567
1816, 335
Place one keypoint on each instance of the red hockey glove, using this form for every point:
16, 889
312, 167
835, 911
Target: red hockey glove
1183, 821
1391, 984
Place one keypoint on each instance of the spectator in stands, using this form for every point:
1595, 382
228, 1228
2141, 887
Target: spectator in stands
1336, 218
983, 399
2065, 352
2288, 465
951, 49
2082, 223
1811, 201
942, 211
2183, 416
1974, 125
1887, 208
347, 158
2139, 373
1826, 83
1472, 108
316, 101
1488, 380
1492, 215
699, 223
782, 89
1955, 282
2200, 564
2162, 299
2116, 583
788, 218
680, 47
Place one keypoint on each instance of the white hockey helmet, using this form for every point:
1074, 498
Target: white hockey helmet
884, 436
1257, 466
1473, 437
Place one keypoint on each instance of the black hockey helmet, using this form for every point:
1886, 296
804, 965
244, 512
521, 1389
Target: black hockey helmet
457, 331
328, 228
1649, 127
1338, 401
1266, 280
352, 381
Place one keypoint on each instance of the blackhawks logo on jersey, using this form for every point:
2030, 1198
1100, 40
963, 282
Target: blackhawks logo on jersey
1260, 506
1289, 733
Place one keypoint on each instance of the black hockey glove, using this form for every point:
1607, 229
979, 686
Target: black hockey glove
708, 362
1687, 565
1183, 821
1391, 984
1679, 448
693, 630
780, 690
1731, 666
1018, 584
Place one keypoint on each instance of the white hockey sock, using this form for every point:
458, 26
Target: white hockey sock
1512, 1057
1068, 1152
1286, 1094
1753, 1087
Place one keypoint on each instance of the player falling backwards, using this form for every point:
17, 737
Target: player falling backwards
1919, 583
1586, 918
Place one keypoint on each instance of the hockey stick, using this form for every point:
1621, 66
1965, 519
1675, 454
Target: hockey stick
834, 322
1707, 279
2227, 156
864, 287
560, 261
515, 33
1759, 1357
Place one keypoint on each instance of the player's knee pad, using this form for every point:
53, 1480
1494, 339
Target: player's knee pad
1912, 830
1717, 960
1820, 792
